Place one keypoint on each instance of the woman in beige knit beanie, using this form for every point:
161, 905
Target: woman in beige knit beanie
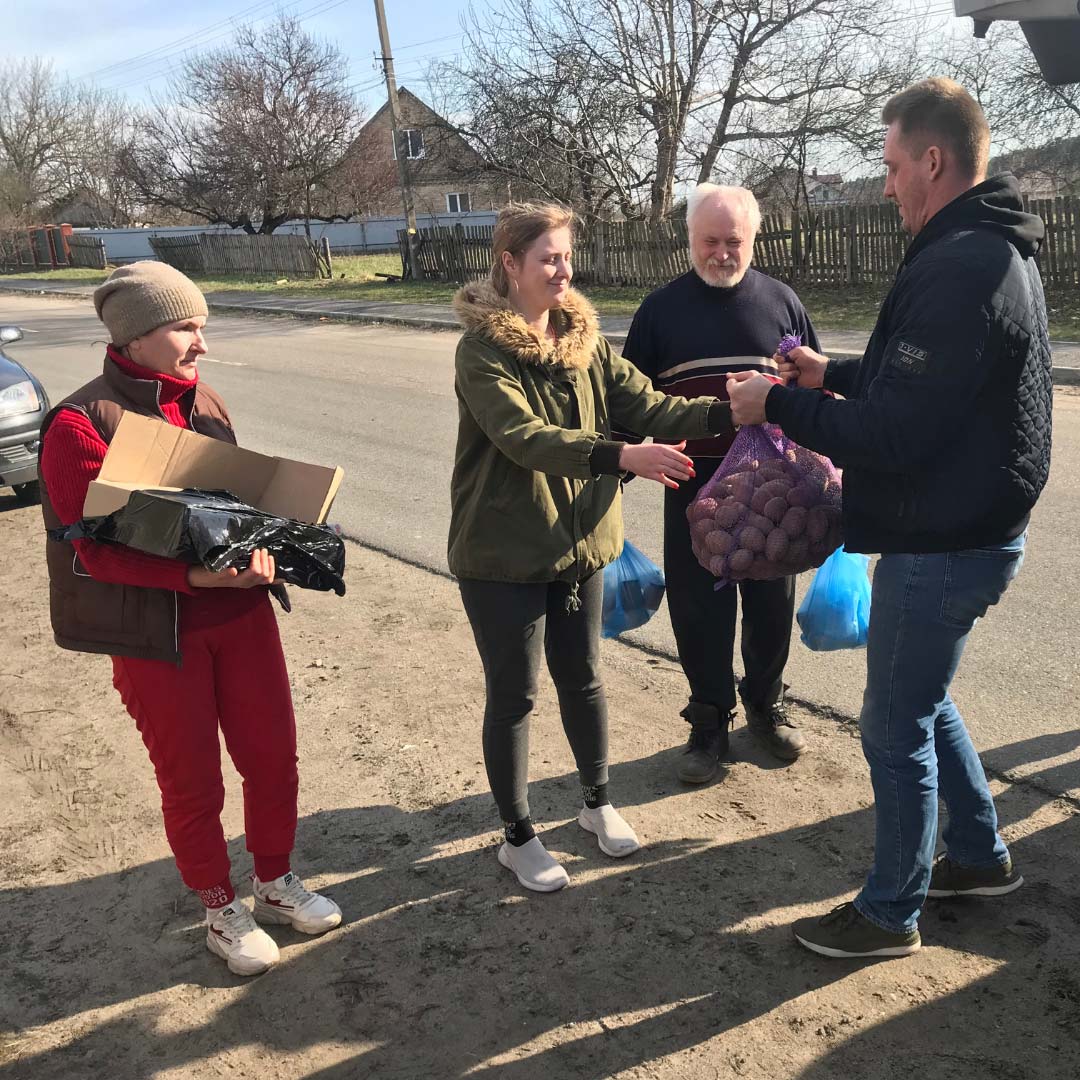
193, 652
139, 298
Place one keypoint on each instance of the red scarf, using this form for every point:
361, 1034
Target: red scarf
172, 389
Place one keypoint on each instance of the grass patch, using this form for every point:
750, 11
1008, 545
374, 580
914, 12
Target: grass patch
356, 278
82, 277
1063, 314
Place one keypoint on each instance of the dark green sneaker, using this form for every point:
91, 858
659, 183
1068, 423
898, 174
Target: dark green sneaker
844, 932
952, 879
772, 727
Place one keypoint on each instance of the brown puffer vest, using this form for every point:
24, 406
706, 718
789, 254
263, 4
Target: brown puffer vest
119, 620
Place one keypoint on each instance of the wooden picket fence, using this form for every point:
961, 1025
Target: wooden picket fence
631, 253
1059, 260
847, 245
87, 252
183, 252
230, 253
450, 252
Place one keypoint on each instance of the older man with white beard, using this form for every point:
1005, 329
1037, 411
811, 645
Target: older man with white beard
688, 336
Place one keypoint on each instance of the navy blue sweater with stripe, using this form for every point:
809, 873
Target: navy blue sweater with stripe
688, 336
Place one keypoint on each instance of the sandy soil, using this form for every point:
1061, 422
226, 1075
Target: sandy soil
677, 963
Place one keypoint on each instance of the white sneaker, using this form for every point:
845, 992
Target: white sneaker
616, 837
231, 933
533, 866
285, 900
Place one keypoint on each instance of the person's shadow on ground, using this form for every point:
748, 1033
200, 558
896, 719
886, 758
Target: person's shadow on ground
445, 968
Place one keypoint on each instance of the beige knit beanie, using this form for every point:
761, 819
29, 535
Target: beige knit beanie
142, 296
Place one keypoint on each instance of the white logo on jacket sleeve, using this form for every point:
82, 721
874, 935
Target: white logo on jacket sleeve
910, 358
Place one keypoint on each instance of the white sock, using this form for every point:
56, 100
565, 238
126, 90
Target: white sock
616, 837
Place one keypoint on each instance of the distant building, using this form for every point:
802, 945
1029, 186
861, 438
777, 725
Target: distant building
784, 188
85, 209
448, 176
824, 189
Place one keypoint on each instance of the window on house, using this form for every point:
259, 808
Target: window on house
413, 141
458, 202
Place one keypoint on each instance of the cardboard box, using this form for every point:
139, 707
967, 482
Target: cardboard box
148, 453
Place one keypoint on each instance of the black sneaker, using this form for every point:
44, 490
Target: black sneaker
844, 932
952, 879
708, 743
772, 727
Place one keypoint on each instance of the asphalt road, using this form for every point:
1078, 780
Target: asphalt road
379, 401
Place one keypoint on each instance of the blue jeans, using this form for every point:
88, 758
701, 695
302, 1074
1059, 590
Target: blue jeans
913, 736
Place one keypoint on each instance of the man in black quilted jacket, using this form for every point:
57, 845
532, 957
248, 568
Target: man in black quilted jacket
943, 434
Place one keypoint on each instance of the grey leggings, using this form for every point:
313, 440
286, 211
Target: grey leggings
509, 622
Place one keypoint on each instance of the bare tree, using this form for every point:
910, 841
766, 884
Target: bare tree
812, 85
37, 122
542, 114
363, 179
1000, 71
251, 135
626, 99
102, 128
58, 141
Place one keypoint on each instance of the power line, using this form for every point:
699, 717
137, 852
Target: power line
418, 70
357, 88
206, 38
320, 7
126, 68
430, 41
151, 54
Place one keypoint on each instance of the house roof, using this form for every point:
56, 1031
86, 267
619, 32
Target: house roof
411, 98
449, 153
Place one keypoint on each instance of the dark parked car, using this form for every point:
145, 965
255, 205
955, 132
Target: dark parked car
23, 405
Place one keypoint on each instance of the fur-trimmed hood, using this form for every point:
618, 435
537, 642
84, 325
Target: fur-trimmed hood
481, 310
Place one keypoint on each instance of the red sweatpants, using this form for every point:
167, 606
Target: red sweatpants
233, 675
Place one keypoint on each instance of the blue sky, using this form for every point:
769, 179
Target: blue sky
107, 41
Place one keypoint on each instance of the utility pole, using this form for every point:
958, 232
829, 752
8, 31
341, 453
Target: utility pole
400, 151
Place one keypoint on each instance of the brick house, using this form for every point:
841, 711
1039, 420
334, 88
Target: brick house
448, 176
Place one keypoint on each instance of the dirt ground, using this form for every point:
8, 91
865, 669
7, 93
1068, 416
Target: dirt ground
677, 963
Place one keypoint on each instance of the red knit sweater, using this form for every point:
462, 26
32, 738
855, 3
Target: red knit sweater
73, 455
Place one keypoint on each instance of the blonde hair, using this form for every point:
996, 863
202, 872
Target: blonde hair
941, 110
517, 228
736, 198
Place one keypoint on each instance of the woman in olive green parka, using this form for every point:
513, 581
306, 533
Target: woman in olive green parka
536, 509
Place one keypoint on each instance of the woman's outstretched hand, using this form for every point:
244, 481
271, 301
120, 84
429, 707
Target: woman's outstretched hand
658, 461
260, 572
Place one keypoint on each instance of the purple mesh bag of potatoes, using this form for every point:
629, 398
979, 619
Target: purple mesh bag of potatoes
771, 509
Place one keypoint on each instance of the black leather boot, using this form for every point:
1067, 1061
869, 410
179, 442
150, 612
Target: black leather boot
708, 742
773, 728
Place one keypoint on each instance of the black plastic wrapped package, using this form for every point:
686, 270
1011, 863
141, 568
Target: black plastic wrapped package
217, 530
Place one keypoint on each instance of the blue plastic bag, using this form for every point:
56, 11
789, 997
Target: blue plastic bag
836, 611
633, 589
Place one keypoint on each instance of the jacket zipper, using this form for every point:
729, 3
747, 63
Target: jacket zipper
176, 598
176, 629
573, 599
